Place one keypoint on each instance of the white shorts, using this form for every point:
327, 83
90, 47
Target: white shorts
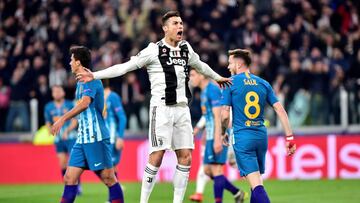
170, 128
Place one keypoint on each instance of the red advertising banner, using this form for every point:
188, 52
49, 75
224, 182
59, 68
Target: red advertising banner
317, 156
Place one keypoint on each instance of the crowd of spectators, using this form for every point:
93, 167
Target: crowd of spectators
308, 50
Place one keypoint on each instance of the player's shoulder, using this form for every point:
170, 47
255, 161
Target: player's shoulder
151, 49
213, 87
260, 80
237, 77
153, 45
183, 42
49, 105
114, 95
96, 83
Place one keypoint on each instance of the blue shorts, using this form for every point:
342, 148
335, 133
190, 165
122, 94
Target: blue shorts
115, 155
64, 146
210, 157
250, 152
94, 156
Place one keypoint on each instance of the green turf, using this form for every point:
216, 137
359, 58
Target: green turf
326, 191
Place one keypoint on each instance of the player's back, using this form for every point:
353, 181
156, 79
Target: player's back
91, 122
249, 95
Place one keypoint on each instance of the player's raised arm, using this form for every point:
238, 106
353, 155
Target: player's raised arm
281, 113
203, 68
140, 60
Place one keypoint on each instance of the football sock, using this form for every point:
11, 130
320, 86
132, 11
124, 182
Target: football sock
201, 180
229, 186
109, 198
219, 185
116, 194
69, 194
260, 195
180, 182
148, 182
252, 198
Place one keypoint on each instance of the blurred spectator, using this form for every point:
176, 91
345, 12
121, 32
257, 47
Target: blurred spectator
132, 98
294, 81
42, 93
21, 81
58, 74
319, 89
4, 103
353, 85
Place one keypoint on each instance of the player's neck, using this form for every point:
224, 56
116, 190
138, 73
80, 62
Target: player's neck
106, 92
204, 84
171, 42
59, 102
80, 70
242, 70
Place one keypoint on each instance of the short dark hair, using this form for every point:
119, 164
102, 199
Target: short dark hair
168, 15
82, 54
243, 54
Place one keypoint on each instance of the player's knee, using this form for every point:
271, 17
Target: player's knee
185, 159
108, 179
207, 171
155, 158
70, 180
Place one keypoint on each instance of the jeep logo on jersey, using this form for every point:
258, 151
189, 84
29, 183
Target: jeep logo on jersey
175, 61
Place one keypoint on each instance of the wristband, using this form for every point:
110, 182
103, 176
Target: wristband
289, 137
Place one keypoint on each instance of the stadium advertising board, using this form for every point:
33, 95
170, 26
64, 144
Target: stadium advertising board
317, 157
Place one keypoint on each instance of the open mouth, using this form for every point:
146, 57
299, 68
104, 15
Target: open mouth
179, 33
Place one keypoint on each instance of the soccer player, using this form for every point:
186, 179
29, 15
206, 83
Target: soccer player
170, 127
215, 153
247, 97
67, 135
92, 149
115, 120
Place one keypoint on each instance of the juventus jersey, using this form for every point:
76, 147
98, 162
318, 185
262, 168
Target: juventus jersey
168, 69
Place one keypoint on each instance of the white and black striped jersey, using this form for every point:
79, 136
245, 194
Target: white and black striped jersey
168, 69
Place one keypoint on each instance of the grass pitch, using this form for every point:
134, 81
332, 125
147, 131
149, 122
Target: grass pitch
318, 191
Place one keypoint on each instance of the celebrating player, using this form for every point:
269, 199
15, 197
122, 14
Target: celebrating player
215, 153
67, 135
170, 127
92, 149
247, 98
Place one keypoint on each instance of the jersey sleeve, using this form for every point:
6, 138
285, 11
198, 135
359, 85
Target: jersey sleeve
143, 58
120, 114
200, 66
215, 96
90, 89
226, 97
47, 115
270, 95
